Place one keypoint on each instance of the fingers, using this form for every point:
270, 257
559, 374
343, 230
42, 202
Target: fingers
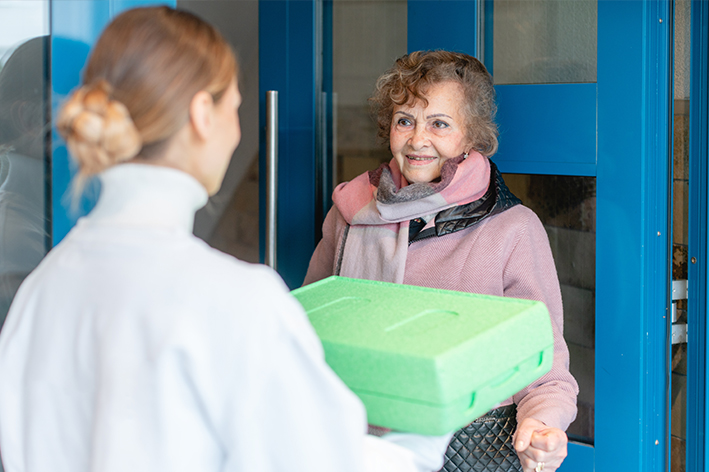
549, 440
543, 449
533, 459
525, 430
538, 466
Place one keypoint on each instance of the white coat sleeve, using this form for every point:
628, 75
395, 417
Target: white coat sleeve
274, 403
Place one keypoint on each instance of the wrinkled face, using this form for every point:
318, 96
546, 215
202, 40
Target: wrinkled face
423, 137
225, 139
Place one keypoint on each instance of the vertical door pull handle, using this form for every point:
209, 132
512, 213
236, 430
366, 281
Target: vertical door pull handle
271, 176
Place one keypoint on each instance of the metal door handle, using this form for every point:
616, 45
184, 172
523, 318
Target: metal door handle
271, 176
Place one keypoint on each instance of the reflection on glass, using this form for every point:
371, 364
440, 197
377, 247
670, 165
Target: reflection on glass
682, 9
566, 206
543, 41
367, 39
230, 221
23, 147
680, 229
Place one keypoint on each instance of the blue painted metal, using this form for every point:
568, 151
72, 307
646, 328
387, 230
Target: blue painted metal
580, 458
547, 129
697, 435
631, 238
489, 22
435, 24
75, 26
287, 64
657, 230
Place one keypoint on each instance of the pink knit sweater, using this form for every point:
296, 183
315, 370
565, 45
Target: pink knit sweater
506, 255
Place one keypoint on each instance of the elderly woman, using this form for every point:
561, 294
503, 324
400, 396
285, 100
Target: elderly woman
439, 215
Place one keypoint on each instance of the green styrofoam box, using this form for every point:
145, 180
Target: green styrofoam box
425, 360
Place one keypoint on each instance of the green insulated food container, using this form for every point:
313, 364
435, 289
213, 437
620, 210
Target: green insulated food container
424, 360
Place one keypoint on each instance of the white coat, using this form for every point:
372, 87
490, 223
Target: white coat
134, 346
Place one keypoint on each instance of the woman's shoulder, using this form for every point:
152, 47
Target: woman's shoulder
227, 270
518, 217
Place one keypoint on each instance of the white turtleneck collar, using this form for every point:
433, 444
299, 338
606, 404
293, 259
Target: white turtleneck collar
149, 196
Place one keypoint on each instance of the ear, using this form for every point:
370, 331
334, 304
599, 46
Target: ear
201, 110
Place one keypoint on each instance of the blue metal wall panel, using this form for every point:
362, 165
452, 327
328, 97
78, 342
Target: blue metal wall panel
547, 129
435, 24
697, 437
631, 370
75, 26
287, 64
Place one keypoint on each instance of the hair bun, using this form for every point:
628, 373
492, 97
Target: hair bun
99, 131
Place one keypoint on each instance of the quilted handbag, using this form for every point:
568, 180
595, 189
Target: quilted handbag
485, 444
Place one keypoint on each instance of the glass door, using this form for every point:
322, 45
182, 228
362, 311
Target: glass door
24, 144
583, 98
584, 106
560, 102
25, 166
230, 220
544, 61
367, 37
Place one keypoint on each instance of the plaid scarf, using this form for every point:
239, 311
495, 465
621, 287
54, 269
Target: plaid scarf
379, 204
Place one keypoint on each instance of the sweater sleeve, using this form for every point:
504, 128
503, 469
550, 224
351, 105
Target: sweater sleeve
324, 259
530, 273
271, 399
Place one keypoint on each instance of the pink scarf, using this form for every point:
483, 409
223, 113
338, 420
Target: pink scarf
379, 204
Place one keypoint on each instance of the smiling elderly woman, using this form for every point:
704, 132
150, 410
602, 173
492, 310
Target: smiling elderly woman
439, 215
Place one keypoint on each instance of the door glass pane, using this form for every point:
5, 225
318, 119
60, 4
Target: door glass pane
230, 222
367, 38
566, 206
24, 142
680, 227
543, 41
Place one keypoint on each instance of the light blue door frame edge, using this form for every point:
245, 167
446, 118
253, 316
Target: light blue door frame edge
632, 219
697, 407
75, 26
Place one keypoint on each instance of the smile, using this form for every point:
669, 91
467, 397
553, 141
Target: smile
420, 158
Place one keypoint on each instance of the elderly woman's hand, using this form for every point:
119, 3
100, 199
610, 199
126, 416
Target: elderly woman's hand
539, 447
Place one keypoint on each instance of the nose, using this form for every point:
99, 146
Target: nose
419, 138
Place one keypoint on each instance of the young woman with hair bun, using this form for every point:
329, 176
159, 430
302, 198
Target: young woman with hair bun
134, 346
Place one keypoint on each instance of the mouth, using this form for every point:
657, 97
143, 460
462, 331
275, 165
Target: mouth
420, 159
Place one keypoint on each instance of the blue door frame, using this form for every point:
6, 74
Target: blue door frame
697, 407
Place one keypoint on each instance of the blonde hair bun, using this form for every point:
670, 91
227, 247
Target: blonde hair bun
99, 131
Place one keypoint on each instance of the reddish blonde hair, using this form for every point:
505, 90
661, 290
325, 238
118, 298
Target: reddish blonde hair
138, 84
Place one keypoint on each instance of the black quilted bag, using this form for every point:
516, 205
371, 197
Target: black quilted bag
485, 444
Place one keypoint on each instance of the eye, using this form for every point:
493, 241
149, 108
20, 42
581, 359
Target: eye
438, 124
403, 122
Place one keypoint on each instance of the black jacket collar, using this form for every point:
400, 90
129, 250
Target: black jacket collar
497, 199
